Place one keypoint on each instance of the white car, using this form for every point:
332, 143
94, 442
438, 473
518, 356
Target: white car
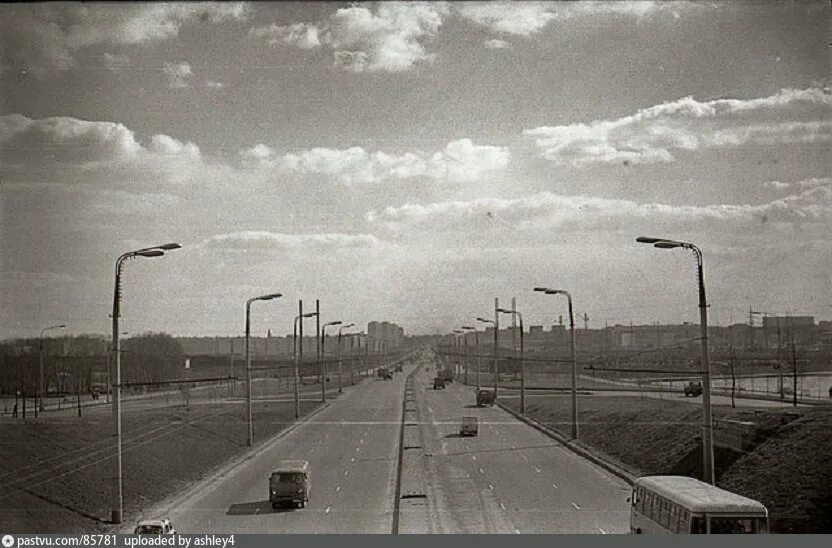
160, 526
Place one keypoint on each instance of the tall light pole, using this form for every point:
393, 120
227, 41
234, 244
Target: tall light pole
522, 363
117, 494
248, 360
708, 433
548, 291
39, 402
495, 323
477, 343
323, 355
340, 382
298, 352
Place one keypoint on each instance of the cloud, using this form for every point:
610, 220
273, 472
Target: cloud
389, 37
214, 85
178, 74
116, 61
548, 213
528, 18
263, 240
496, 43
654, 134
460, 161
46, 36
805, 183
301, 35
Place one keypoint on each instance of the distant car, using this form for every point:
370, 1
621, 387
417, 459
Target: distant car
438, 383
388, 376
693, 389
485, 397
470, 426
160, 526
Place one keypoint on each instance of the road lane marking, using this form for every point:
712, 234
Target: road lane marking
602, 531
576, 506
554, 485
357, 449
361, 441
481, 471
490, 486
328, 508
516, 531
474, 457
536, 469
503, 506
524, 457
352, 459
337, 489
346, 473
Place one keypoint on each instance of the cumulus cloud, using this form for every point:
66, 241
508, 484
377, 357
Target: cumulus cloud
461, 161
545, 212
46, 36
301, 35
66, 149
178, 74
388, 37
653, 134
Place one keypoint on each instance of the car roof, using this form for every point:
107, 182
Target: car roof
291, 466
699, 496
156, 521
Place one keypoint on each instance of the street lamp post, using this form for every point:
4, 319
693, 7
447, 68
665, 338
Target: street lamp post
117, 494
340, 382
495, 323
298, 351
548, 291
248, 360
522, 363
39, 403
707, 438
323, 355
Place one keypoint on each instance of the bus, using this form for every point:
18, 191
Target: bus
683, 505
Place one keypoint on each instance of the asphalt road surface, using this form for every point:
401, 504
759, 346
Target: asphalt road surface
509, 479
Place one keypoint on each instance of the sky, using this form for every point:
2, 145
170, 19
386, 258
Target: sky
411, 162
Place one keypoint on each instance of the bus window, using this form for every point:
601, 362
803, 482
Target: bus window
698, 526
734, 526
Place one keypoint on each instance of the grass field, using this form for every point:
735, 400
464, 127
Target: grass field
57, 470
787, 468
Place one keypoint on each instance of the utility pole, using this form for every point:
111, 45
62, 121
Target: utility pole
318, 346
496, 346
794, 375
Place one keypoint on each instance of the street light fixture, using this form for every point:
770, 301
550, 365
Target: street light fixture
708, 434
117, 493
548, 291
340, 329
39, 402
323, 355
248, 360
522, 363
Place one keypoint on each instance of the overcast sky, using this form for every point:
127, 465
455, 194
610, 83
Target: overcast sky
410, 162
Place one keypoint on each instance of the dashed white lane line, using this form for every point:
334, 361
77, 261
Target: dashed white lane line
361, 441
601, 531
555, 485
481, 471
474, 457
536, 469
490, 486
337, 489
525, 458
357, 449
346, 473
503, 506
328, 508
576, 506
352, 459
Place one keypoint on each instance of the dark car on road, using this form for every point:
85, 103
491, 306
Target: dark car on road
438, 383
693, 389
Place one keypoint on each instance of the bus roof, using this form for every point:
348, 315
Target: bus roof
698, 496
291, 466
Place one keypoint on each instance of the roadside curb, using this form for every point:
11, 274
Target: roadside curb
215, 475
574, 446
